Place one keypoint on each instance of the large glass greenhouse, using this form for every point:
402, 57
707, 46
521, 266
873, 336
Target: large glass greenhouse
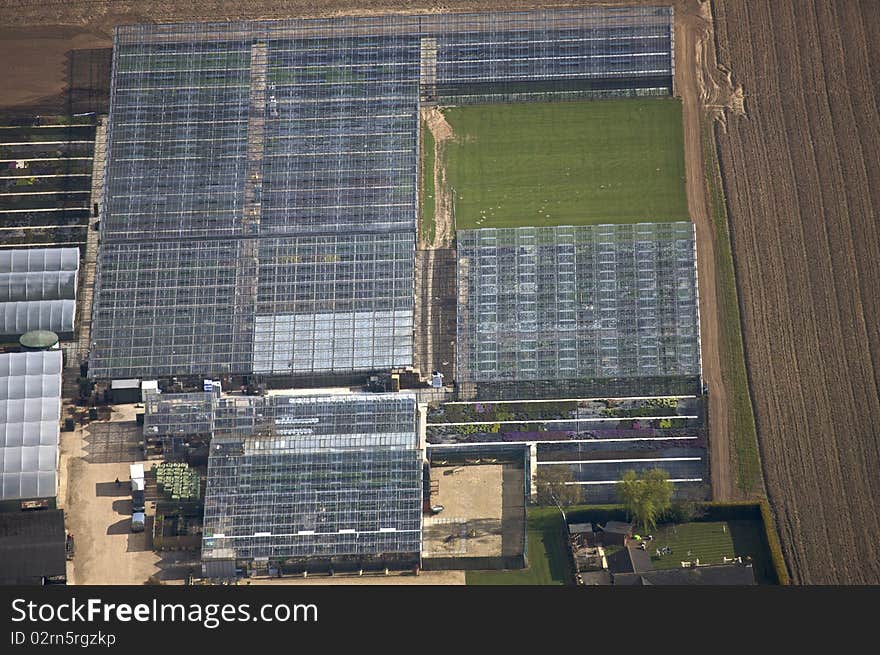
612, 304
315, 481
260, 202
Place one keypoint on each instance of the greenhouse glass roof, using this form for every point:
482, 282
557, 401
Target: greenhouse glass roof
313, 476
561, 303
261, 188
30, 412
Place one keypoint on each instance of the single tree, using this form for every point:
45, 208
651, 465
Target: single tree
646, 496
552, 487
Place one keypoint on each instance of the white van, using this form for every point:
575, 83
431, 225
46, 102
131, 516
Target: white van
136, 471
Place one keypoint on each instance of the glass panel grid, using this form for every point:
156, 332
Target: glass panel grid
561, 303
313, 476
261, 185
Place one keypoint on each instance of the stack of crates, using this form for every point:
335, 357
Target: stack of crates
178, 481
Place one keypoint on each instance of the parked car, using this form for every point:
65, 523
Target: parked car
137, 501
138, 519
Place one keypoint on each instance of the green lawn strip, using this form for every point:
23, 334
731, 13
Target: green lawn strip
547, 554
567, 163
748, 459
428, 191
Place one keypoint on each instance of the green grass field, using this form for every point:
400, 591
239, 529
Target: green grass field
547, 555
749, 477
711, 542
566, 163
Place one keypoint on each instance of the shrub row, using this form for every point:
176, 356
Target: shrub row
773, 544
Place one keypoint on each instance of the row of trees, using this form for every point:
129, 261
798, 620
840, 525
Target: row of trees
647, 497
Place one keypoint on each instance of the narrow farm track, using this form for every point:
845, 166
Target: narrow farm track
689, 28
798, 174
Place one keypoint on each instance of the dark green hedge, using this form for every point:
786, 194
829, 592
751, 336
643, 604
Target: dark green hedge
773, 544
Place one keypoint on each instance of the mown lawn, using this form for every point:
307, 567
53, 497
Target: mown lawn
566, 163
547, 555
711, 542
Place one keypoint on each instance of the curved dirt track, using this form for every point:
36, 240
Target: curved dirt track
802, 175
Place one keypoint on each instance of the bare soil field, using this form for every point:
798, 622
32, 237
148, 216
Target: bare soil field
470, 525
801, 175
54, 69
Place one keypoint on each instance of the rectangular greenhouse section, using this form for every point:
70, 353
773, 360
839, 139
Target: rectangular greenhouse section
591, 52
604, 302
30, 416
329, 479
260, 193
167, 414
38, 290
260, 201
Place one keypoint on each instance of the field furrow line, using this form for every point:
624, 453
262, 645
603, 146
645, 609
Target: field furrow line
763, 330
804, 231
822, 269
794, 269
861, 489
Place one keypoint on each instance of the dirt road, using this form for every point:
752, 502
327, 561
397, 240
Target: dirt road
442, 132
801, 177
691, 29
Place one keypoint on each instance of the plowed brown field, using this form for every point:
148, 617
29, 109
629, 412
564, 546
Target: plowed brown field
802, 175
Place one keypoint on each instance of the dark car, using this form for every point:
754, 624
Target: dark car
137, 501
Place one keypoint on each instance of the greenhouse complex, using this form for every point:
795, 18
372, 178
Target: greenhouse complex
264, 288
261, 196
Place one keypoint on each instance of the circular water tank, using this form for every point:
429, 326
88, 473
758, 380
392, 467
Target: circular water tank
39, 340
